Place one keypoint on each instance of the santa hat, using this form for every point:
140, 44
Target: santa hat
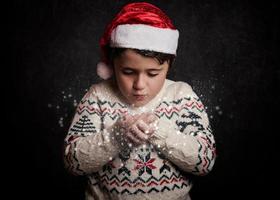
138, 26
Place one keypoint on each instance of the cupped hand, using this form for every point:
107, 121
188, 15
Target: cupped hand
137, 129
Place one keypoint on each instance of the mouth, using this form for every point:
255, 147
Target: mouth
139, 97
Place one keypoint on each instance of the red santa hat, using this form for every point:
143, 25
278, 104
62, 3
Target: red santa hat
138, 26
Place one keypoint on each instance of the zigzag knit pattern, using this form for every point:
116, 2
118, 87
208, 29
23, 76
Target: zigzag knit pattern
189, 112
144, 173
144, 169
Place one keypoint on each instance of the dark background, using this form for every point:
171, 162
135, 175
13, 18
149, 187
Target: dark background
227, 52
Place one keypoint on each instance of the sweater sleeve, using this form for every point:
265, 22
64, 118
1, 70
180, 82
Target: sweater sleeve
187, 141
88, 146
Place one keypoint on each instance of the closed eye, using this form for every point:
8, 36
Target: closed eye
127, 71
152, 74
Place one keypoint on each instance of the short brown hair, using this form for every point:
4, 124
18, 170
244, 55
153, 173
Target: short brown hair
160, 57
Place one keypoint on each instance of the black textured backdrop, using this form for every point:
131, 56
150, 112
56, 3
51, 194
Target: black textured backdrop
227, 52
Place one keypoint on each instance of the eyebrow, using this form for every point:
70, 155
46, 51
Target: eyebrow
149, 69
154, 69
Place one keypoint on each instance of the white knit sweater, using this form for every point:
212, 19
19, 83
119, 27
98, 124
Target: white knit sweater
182, 145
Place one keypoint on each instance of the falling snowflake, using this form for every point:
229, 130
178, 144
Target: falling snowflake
64, 98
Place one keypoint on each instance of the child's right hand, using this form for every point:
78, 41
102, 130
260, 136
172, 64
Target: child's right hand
137, 129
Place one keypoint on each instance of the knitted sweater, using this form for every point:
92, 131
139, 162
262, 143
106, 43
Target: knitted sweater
182, 145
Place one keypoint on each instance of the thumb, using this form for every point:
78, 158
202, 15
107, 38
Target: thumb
150, 118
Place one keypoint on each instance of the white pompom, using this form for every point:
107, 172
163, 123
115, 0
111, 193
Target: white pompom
104, 71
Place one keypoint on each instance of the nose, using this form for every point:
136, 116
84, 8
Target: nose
139, 82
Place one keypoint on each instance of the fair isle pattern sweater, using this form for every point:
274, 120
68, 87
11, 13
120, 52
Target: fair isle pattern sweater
182, 145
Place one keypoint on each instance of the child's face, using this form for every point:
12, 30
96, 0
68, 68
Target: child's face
139, 78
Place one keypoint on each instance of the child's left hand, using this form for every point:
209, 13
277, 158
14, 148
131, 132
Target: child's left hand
142, 128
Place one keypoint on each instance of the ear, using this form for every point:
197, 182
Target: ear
104, 71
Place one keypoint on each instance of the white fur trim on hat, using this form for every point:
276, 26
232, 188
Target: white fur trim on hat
104, 71
145, 37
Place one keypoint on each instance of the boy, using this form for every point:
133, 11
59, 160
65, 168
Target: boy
138, 135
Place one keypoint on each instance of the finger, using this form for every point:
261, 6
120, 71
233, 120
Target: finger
154, 124
138, 133
128, 120
136, 117
142, 126
149, 118
133, 139
152, 130
152, 118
